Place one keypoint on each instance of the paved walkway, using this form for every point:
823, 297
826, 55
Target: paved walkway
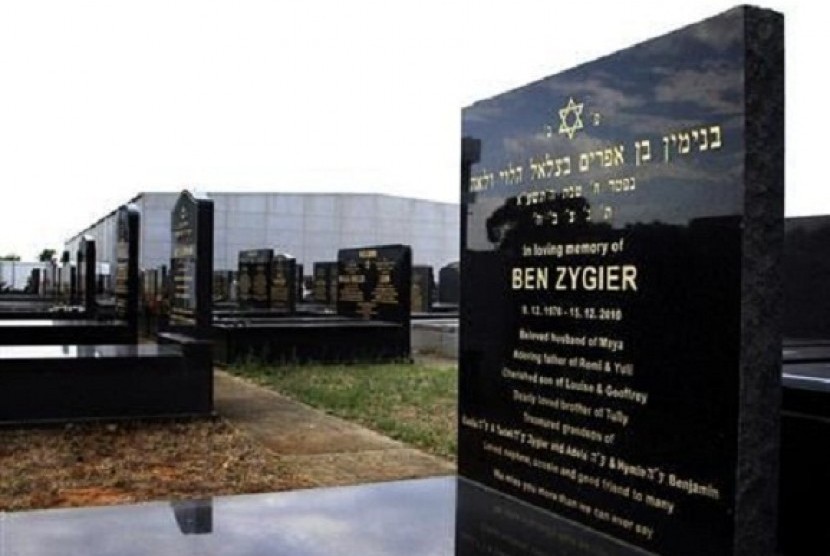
329, 450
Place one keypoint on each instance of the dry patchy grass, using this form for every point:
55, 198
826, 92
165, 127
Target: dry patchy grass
97, 464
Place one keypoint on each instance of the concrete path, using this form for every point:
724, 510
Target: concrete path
329, 450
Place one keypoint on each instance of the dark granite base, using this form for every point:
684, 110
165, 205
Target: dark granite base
236, 314
47, 332
78, 382
435, 315
310, 340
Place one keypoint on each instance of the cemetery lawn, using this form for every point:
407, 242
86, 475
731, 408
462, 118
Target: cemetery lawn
102, 464
413, 403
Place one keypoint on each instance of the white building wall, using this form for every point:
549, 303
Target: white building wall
312, 226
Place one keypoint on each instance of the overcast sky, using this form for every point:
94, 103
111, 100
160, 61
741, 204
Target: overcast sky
102, 100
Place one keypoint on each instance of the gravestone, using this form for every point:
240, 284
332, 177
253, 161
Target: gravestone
449, 283
621, 229
255, 278
325, 283
374, 283
423, 287
86, 274
299, 283
805, 274
73, 285
191, 265
283, 292
34, 281
221, 286
126, 267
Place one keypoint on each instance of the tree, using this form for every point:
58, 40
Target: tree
46, 255
10, 257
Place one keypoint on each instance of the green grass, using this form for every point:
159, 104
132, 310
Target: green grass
413, 403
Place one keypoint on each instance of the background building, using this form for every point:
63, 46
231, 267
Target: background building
310, 226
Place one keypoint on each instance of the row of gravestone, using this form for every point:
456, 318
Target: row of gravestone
248, 285
90, 368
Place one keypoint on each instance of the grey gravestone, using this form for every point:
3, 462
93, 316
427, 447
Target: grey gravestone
191, 265
283, 291
126, 267
620, 352
254, 278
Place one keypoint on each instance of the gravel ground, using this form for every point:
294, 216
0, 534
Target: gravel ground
100, 464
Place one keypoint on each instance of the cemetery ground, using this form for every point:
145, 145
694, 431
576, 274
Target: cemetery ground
415, 404
301, 447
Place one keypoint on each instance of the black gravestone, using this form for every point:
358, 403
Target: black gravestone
325, 283
86, 275
191, 265
449, 283
34, 281
374, 283
621, 230
423, 286
255, 278
73, 285
299, 283
806, 273
283, 283
126, 267
222, 281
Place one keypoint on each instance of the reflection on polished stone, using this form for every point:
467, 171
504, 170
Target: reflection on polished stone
422, 517
194, 517
405, 518
439, 516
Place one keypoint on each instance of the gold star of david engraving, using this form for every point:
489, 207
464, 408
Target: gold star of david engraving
571, 108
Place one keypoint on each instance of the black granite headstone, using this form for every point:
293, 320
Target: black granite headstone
806, 271
621, 231
325, 283
34, 281
449, 283
299, 283
191, 265
254, 278
73, 285
221, 285
126, 267
423, 286
375, 283
86, 274
283, 283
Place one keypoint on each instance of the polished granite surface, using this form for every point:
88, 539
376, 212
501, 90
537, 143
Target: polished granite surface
88, 352
806, 353
44, 323
423, 517
807, 376
402, 518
